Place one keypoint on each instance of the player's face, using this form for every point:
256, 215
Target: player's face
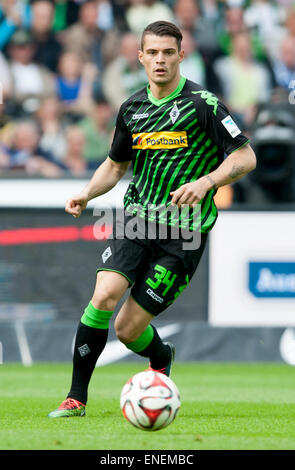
161, 58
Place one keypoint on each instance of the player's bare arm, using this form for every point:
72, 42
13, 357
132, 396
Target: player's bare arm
104, 179
234, 167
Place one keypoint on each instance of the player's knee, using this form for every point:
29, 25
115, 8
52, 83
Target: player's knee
121, 331
105, 300
123, 336
124, 333
105, 297
108, 290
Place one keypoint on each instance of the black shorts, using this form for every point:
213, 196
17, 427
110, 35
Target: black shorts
158, 270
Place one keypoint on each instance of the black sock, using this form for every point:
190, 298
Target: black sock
89, 344
158, 352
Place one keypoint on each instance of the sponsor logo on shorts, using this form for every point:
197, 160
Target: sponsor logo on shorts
106, 254
155, 296
160, 140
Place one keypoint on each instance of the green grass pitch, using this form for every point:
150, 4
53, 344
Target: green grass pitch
224, 406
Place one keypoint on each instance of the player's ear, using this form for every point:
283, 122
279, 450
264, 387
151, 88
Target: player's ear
140, 55
181, 55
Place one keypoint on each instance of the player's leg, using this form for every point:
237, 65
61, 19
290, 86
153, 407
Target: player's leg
91, 338
159, 283
92, 331
133, 328
118, 267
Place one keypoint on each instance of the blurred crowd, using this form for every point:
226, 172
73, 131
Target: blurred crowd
67, 65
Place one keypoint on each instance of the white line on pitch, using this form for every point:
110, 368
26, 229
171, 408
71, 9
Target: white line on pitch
23, 343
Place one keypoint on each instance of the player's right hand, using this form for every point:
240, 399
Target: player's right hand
76, 205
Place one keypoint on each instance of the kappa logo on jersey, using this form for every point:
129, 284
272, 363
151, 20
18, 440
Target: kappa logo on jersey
160, 140
209, 98
231, 126
140, 116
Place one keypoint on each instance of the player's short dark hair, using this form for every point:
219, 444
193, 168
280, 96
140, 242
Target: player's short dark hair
163, 28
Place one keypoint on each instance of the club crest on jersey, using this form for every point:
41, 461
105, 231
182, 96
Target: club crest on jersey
174, 113
160, 140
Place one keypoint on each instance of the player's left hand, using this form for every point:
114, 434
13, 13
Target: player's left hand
190, 193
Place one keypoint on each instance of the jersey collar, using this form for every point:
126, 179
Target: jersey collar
168, 98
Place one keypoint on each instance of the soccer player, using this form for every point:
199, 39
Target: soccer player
176, 135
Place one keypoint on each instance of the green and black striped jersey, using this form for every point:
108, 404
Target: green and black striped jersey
173, 141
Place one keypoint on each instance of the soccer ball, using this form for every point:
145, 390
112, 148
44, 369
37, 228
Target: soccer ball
150, 400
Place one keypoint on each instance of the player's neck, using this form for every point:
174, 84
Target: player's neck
160, 91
